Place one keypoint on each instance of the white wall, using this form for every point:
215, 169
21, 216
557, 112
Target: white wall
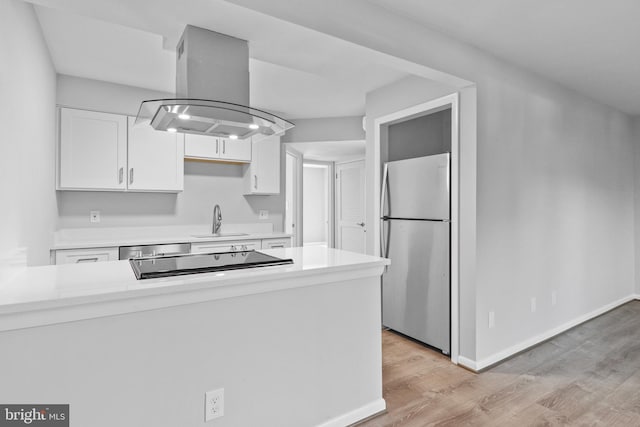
27, 149
326, 129
205, 183
636, 140
555, 174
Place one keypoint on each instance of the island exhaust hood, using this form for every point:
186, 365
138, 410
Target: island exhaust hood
212, 91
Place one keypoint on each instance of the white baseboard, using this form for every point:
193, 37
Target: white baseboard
468, 363
356, 415
521, 346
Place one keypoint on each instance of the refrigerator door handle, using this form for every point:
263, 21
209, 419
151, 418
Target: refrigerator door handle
383, 196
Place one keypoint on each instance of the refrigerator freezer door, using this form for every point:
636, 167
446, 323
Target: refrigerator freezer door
415, 287
417, 188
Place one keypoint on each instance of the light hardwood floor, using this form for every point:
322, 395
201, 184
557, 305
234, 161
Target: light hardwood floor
587, 376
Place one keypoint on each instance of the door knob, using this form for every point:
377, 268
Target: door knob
361, 224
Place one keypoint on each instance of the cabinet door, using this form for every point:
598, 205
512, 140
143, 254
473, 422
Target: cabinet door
92, 150
239, 151
263, 174
201, 147
228, 246
276, 243
156, 159
80, 256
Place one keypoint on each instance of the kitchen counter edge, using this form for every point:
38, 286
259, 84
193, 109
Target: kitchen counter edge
312, 266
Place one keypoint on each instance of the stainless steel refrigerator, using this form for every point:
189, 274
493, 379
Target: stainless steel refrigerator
415, 235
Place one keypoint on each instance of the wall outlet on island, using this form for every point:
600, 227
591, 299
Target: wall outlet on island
263, 214
94, 216
213, 404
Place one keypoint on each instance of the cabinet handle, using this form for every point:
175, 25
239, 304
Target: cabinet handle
255, 182
224, 145
131, 176
217, 145
277, 246
120, 175
244, 248
94, 259
233, 248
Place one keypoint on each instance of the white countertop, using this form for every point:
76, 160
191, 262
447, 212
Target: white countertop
130, 236
52, 294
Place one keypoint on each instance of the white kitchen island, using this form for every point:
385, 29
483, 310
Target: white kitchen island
295, 345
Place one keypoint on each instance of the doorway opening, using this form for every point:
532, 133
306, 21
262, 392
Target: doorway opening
382, 126
325, 194
317, 206
293, 195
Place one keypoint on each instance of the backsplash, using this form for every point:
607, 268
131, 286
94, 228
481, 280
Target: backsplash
205, 185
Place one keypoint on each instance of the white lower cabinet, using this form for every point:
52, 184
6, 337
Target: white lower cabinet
276, 243
228, 246
79, 256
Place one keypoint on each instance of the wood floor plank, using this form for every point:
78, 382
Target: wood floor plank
588, 376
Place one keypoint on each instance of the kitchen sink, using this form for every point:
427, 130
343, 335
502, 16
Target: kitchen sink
208, 236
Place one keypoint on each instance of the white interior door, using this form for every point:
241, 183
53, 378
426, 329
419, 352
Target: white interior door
350, 206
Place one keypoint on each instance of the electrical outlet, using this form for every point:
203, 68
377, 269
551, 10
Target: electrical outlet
533, 304
492, 319
213, 404
263, 214
554, 297
94, 216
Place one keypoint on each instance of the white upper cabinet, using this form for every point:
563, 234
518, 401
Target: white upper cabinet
212, 148
92, 151
102, 151
155, 159
262, 176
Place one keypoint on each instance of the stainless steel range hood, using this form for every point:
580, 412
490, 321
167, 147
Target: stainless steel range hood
212, 91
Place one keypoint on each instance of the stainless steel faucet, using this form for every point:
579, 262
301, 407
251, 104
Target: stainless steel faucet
217, 219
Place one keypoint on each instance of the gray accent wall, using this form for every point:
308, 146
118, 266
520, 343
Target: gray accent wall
422, 136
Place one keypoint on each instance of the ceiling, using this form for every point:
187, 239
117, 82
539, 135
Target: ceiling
591, 46
295, 72
587, 45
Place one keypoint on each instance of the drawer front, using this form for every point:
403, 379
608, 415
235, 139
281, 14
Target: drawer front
79, 256
276, 243
217, 247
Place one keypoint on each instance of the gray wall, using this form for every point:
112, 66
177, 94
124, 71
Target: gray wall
205, 183
27, 150
422, 136
554, 174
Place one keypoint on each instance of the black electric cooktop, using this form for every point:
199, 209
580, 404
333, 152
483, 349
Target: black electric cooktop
177, 265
